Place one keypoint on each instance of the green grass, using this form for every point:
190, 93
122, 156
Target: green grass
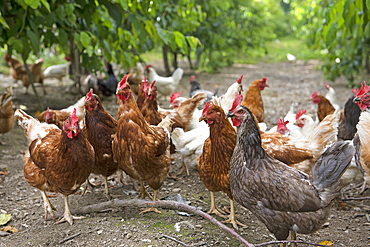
276, 52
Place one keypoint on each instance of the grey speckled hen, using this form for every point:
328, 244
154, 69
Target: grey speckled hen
283, 198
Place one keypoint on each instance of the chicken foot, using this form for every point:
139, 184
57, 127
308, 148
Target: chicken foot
146, 210
231, 218
214, 209
143, 191
293, 236
106, 189
47, 205
67, 216
183, 167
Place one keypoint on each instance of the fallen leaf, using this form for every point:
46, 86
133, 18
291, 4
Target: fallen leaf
4, 172
4, 218
37, 113
10, 229
327, 242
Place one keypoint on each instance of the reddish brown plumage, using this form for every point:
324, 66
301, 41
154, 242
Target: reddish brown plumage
140, 149
214, 162
56, 117
324, 107
7, 118
100, 126
253, 99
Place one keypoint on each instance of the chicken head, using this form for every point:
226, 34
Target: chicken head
123, 90
237, 101
262, 84
299, 120
71, 126
151, 92
281, 126
314, 98
49, 116
362, 98
173, 101
91, 102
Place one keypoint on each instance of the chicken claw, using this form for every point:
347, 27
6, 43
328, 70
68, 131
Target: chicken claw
47, 205
214, 209
67, 216
143, 191
151, 209
232, 219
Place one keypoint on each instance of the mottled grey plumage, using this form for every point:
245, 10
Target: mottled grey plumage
357, 144
197, 88
284, 198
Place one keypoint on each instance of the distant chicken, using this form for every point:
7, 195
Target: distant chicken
214, 163
57, 160
283, 198
108, 87
253, 99
347, 128
165, 85
197, 88
100, 126
57, 117
57, 71
140, 149
7, 118
135, 79
324, 106
332, 96
19, 72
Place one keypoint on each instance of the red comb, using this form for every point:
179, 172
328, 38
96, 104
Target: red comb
47, 115
281, 123
148, 66
74, 117
327, 86
174, 96
355, 90
41, 59
205, 108
152, 85
238, 99
314, 95
192, 78
264, 79
364, 89
300, 113
123, 81
240, 79
89, 94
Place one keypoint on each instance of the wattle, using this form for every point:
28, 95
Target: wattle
236, 122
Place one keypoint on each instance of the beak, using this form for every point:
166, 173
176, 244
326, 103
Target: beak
75, 130
356, 100
229, 114
310, 100
295, 123
202, 118
267, 85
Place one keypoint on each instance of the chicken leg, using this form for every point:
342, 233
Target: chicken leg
106, 189
214, 209
143, 191
151, 209
67, 216
47, 205
232, 219
293, 236
183, 167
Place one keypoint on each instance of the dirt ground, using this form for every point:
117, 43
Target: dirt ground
289, 82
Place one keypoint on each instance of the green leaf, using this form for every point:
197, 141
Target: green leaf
69, 8
162, 35
35, 41
85, 39
28, 2
62, 36
178, 38
46, 4
35, 4
330, 35
5, 218
3, 22
368, 5
77, 41
18, 46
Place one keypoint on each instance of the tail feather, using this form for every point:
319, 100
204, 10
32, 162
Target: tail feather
329, 167
6, 98
324, 133
216, 91
177, 74
33, 129
187, 108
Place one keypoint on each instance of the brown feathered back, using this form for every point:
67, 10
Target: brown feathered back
253, 101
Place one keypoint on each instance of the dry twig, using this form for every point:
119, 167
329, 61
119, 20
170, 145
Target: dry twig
69, 238
177, 241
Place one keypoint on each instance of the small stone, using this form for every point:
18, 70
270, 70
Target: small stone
325, 224
99, 232
176, 190
357, 209
198, 226
358, 215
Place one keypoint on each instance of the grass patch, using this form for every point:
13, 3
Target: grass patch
277, 51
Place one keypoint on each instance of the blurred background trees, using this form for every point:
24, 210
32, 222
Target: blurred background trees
209, 35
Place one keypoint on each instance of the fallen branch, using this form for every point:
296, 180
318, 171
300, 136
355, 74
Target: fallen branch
355, 198
177, 241
169, 205
289, 241
69, 238
157, 204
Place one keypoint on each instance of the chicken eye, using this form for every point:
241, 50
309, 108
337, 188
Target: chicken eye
240, 111
367, 97
211, 112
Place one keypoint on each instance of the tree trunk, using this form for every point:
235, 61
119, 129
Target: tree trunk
165, 60
198, 51
189, 58
367, 63
175, 60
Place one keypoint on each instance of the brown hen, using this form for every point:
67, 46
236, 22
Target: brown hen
214, 162
140, 149
57, 160
324, 106
7, 118
100, 126
253, 99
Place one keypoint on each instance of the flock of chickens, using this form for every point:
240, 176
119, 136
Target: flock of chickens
287, 176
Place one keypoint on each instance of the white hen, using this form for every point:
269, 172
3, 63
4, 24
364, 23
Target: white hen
57, 71
228, 98
165, 85
332, 96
